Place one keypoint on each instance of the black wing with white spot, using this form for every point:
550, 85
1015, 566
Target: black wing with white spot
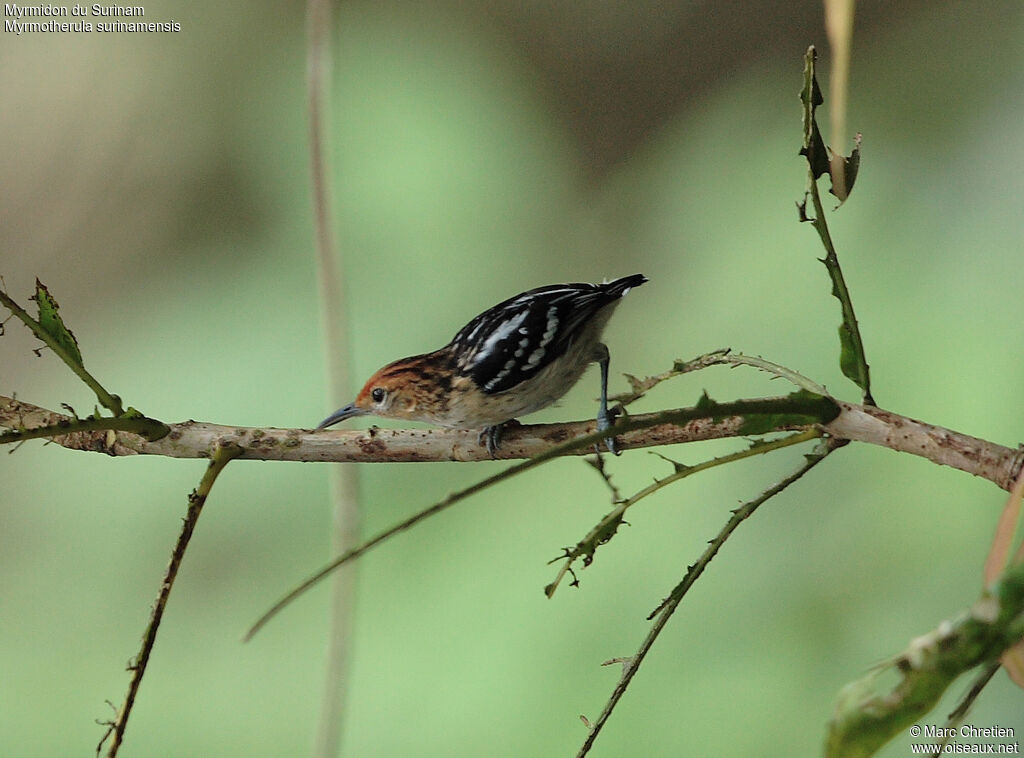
515, 339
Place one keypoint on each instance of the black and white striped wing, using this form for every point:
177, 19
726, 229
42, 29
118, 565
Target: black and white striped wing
515, 339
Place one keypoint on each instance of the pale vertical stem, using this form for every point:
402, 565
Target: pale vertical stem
344, 479
839, 27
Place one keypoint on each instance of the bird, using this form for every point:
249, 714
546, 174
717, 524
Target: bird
517, 357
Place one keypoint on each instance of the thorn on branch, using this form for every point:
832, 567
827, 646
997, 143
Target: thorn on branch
657, 610
801, 209
110, 725
676, 465
575, 579
566, 554
627, 662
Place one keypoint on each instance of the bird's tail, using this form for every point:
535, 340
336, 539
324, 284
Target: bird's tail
619, 287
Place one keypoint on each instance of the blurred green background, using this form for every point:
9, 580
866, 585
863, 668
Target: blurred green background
157, 183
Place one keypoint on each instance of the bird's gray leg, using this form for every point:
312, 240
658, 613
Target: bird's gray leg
603, 419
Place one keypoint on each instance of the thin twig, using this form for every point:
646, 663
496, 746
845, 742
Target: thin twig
585, 442
803, 405
605, 528
801, 381
958, 714
723, 357
598, 463
964, 706
668, 607
219, 458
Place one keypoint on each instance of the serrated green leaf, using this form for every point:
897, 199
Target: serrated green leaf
848, 357
813, 145
51, 323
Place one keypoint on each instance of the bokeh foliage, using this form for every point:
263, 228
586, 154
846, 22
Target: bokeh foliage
158, 185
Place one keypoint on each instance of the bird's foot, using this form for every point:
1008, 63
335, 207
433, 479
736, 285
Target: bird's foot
491, 436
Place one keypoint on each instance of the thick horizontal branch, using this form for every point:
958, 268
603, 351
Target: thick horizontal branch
865, 423
194, 439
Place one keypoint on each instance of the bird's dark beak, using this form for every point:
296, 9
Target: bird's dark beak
341, 414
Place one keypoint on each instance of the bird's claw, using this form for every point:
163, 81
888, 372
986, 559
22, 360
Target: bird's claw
491, 437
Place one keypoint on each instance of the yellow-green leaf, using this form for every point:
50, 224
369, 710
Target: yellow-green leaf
51, 323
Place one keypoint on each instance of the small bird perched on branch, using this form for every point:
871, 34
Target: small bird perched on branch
515, 358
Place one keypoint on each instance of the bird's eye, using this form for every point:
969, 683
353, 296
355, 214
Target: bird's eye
377, 394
